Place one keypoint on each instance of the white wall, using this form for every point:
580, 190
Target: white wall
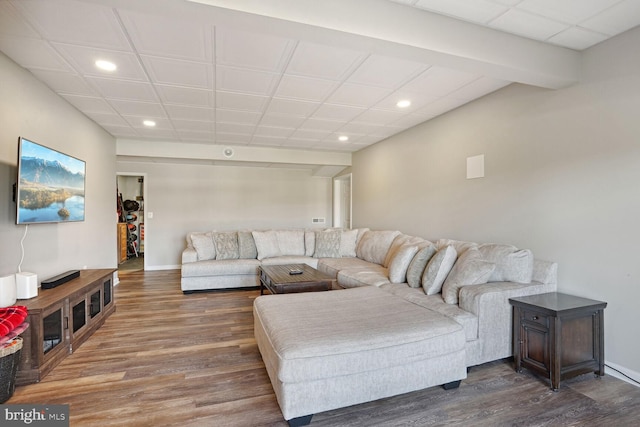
186, 198
28, 108
562, 178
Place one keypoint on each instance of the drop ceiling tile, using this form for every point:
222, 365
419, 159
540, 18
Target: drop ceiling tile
291, 107
140, 109
417, 99
177, 72
66, 83
361, 128
315, 124
619, 18
185, 96
437, 82
527, 25
358, 95
334, 138
76, 22
234, 116
123, 89
324, 62
155, 133
245, 81
408, 121
33, 54
108, 119
121, 131
337, 112
479, 11
232, 138
568, 11
439, 107
368, 140
299, 142
577, 38
310, 134
83, 59
278, 132
89, 104
183, 112
12, 23
282, 120
168, 37
303, 88
478, 88
268, 141
378, 117
192, 126
241, 101
386, 72
198, 136
137, 123
236, 128
243, 49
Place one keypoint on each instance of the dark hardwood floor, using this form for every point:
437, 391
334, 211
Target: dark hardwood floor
166, 359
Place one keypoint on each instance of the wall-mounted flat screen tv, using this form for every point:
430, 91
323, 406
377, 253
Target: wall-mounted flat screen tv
50, 185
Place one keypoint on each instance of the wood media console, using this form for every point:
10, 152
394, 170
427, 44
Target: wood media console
62, 318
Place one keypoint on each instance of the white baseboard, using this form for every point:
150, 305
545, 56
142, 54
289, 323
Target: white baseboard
612, 369
163, 267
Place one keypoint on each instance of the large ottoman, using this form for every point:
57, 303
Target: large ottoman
333, 349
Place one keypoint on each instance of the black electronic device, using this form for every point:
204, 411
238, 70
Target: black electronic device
294, 271
58, 280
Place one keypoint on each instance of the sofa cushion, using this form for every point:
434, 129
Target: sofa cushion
418, 264
246, 245
331, 266
291, 259
400, 263
512, 264
403, 240
214, 267
350, 331
372, 275
328, 243
469, 269
291, 242
309, 242
437, 270
226, 245
204, 245
459, 245
374, 245
266, 243
348, 241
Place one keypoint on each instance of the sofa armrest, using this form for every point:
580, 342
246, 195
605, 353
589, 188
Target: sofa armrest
490, 302
189, 255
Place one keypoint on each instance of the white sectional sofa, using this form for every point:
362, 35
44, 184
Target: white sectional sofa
408, 305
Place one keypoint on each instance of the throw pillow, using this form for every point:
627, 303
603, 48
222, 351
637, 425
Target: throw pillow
459, 245
246, 245
266, 244
291, 242
309, 242
437, 270
418, 264
512, 264
328, 244
348, 243
469, 269
400, 262
374, 245
204, 246
226, 245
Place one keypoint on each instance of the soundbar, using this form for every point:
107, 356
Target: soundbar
58, 280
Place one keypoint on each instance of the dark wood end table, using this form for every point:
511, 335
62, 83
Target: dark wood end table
559, 336
277, 280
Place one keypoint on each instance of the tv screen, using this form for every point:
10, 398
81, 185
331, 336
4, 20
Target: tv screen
50, 185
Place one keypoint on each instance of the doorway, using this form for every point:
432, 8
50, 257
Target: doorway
342, 201
132, 230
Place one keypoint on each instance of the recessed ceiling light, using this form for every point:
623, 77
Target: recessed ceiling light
149, 123
106, 65
403, 103
343, 138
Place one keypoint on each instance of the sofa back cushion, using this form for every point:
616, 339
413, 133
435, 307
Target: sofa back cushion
266, 243
469, 269
374, 245
291, 242
512, 264
348, 242
402, 240
246, 245
203, 244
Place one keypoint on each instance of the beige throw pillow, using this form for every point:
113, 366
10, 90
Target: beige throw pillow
418, 264
204, 246
374, 245
246, 245
400, 262
348, 241
437, 270
266, 244
328, 244
469, 269
226, 245
512, 264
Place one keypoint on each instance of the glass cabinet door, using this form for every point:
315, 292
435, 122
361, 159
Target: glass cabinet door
79, 315
107, 292
53, 331
96, 304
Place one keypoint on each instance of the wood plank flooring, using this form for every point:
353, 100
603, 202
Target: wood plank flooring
168, 359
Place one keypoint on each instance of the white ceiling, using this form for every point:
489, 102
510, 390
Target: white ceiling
296, 74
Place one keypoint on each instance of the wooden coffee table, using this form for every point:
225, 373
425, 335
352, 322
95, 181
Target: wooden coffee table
277, 280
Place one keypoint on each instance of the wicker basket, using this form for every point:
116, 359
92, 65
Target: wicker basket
9, 360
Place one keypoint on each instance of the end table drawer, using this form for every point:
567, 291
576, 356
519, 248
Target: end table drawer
535, 317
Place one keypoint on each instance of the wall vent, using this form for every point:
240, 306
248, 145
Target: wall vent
317, 220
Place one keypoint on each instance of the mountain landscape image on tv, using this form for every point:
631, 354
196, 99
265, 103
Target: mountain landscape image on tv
50, 185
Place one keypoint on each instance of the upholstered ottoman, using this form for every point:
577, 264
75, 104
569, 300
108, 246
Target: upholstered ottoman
327, 350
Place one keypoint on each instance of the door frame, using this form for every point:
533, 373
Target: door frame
338, 181
144, 218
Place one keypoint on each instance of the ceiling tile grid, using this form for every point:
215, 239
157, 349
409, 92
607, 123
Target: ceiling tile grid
207, 82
